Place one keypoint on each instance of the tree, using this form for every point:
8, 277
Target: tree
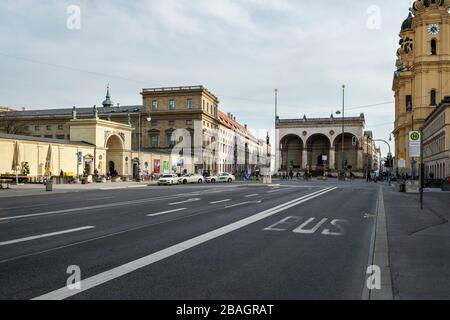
9, 125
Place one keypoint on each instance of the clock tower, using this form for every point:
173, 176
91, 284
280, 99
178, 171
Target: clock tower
422, 78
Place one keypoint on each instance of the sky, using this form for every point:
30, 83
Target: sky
59, 54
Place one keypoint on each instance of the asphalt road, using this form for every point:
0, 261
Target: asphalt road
297, 241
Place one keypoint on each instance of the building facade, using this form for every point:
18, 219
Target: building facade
436, 142
422, 78
316, 145
158, 127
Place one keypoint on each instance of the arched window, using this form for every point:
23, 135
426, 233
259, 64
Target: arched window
433, 97
433, 47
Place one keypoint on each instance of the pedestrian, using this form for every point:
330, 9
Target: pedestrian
291, 175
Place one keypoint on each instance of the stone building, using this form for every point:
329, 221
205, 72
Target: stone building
422, 78
316, 145
436, 142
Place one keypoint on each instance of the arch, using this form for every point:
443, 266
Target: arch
350, 151
434, 47
115, 156
318, 146
292, 148
433, 95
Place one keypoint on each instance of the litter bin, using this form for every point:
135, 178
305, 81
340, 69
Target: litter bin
49, 185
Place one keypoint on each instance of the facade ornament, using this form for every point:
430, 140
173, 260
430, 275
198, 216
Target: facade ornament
95, 112
74, 113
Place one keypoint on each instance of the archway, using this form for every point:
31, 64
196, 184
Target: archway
291, 152
114, 155
350, 152
318, 147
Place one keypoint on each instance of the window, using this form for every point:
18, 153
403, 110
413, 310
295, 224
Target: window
433, 47
171, 123
37, 128
154, 105
189, 122
189, 103
60, 137
433, 97
49, 128
60, 127
170, 140
48, 136
172, 104
155, 141
409, 103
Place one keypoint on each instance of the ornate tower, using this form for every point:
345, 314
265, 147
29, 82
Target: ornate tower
107, 103
422, 78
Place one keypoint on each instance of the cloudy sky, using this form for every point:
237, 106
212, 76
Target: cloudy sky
240, 49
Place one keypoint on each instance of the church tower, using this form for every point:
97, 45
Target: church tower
422, 78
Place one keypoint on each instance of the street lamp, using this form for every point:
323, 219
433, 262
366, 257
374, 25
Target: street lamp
343, 128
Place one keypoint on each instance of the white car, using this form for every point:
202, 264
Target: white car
225, 177
168, 179
191, 178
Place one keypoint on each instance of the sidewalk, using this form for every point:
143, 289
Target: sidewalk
39, 189
419, 244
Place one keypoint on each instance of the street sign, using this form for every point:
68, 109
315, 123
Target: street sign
401, 164
414, 144
80, 158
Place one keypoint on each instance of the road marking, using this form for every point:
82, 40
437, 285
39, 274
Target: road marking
165, 212
24, 207
220, 201
44, 235
252, 195
186, 201
243, 204
101, 278
277, 190
96, 199
285, 222
101, 206
313, 230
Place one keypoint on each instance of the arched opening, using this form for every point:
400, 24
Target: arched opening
350, 159
433, 97
291, 153
114, 156
433, 47
318, 147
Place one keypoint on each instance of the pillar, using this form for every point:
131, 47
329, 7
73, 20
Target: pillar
305, 158
360, 160
332, 160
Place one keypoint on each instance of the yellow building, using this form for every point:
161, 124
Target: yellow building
422, 78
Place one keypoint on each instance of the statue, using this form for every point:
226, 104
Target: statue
129, 120
74, 113
95, 111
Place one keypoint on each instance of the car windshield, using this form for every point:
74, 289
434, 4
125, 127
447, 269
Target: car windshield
167, 176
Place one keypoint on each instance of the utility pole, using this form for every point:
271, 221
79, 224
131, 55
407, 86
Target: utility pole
343, 128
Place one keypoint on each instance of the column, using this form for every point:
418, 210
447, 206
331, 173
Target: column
332, 159
360, 160
305, 158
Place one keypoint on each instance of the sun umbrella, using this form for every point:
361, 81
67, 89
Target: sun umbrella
48, 161
16, 163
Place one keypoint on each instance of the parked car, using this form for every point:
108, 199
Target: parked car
225, 177
212, 179
191, 178
168, 179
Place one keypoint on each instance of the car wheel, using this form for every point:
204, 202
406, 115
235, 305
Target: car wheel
230, 180
213, 181
200, 181
184, 181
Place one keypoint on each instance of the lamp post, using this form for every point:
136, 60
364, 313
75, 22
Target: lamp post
343, 130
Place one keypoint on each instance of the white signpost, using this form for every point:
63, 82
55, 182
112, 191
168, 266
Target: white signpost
414, 144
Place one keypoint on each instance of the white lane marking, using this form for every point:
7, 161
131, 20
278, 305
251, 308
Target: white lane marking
101, 278
277, 190
44, 235
243, 204
313, 230
96, 199
220, 201
165, 212
101, 206
252, 195
186, 201
24, 207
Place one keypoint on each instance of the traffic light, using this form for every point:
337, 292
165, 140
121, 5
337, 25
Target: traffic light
389, 161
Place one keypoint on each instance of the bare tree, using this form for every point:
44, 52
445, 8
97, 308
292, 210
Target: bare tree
9, 125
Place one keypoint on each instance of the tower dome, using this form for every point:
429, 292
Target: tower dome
407, 24
420, 5
107, 103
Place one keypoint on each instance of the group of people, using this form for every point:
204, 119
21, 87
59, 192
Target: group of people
289, 175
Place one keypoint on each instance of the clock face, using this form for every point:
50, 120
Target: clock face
434, 29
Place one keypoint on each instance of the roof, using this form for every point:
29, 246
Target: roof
47, 140
67, 112
181, 89
227, 121
322, 120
